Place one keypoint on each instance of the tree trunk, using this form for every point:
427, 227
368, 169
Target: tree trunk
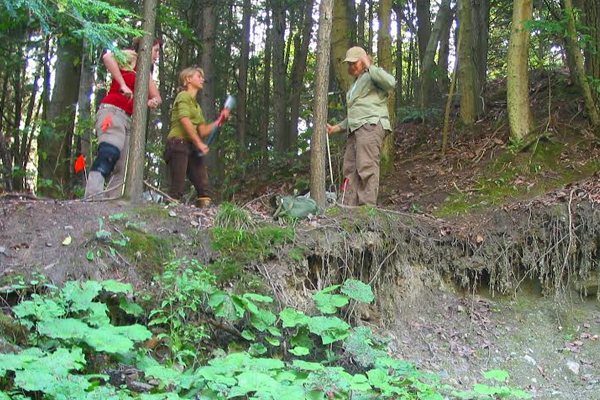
84, 104
428, 67
481, 26
54, 144
384, 55
467, 79
317, 154
517, 96
266, 90
399, 56
279, 74
444, 55
340, 42
423, 26
134, 181
298, 70
583, 80
369, 44
361, 23
243, 76
351, 7
591, 18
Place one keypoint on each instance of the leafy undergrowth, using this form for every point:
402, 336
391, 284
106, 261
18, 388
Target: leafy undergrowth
201, 341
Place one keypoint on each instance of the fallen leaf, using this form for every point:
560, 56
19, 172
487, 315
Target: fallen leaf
67, 241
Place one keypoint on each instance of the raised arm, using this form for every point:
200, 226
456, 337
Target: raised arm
114, 68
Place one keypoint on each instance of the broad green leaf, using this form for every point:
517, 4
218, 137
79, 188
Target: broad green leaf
258, 349
98, 314
13, 362
497, 375
331, 329
360, 382
39, 309
253, 381
262, 320
300, 351
272, 341
329, 303
161, 396
90, 255
292, 318
308, 366
113, 286
136, 332
489, 390
67, 328
315, 395
80, 294
264, 364
4, 396
258, 298
222, 305
274, 331
358, 291
248, 335
330, 289
104, 339
302, 338
130, 307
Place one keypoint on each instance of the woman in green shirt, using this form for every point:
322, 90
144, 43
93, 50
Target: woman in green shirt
188, 128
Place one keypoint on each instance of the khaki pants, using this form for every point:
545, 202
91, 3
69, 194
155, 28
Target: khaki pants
361, 165
113, 126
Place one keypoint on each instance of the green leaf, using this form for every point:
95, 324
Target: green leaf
4, 396
257, 349
308, 366
130, 307
497, 375
292, 318
262, 320
81, 294
329, 303
300, 351
248, 335
258, 298
274, 331
65, 329
118, 216
331, 329
253, 381
90, 255
272, 341
358, 291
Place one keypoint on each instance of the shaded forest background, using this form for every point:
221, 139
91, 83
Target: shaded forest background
264, 53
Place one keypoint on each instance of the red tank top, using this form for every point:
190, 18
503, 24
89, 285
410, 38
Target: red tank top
118, 99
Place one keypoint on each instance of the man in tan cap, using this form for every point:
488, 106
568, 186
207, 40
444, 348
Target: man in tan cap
367, 120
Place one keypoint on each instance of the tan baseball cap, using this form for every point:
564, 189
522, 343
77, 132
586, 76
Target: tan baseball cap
354, 53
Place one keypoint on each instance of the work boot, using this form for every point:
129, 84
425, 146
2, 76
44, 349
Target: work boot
203, 201
94, 186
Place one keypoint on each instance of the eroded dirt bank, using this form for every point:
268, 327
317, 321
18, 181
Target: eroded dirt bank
515, 289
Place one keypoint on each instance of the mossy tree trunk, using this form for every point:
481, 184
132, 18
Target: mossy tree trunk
467, 79
519, 113
579, 65
317, 156
134, 182
591, 18
384, 56
340, 42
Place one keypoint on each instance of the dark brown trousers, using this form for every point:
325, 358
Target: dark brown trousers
182, 159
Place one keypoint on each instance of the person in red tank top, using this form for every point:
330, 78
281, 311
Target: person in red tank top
113, 124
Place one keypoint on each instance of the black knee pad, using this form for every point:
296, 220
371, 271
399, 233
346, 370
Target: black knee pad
106, 159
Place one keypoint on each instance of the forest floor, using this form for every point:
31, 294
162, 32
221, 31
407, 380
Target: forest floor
549, 343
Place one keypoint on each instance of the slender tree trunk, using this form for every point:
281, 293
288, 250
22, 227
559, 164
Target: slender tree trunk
428, 65
369, 46
298, 70
317, 156
279, 75
517, 96
84, 104
399, 56
467, 80
423, 26
54, 144
591, 18
361, 23
134, 181
444, 55
340, 41
579, 65
243, 76
266, 92
384, 55
481, 26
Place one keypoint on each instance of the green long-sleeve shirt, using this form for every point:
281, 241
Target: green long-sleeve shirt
367, 100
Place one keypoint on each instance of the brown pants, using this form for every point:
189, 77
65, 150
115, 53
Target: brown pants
180, 156
361, 165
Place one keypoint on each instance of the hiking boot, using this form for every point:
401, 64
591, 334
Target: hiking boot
203, 201
94, 186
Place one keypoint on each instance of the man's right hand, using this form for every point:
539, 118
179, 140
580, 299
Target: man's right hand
332, 128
